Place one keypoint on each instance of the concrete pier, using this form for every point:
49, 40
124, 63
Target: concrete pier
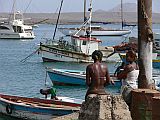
104, 107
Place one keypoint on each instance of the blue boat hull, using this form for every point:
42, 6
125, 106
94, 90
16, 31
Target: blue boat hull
34, 108
58, 78
66, 80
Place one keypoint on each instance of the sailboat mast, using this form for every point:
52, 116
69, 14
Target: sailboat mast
84, 10
58, 19
90, 17
13, 9
122, 13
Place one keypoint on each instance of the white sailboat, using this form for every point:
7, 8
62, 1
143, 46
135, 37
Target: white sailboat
96, 30
79, 49
15, 28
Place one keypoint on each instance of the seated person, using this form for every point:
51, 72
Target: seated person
97, 75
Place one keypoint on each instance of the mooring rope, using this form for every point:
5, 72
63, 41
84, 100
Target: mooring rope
25, 59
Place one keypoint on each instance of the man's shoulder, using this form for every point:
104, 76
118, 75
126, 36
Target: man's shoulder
90, 65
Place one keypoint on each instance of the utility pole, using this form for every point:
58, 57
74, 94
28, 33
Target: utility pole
145, 43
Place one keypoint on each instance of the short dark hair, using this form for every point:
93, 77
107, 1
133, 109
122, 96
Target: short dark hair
97, 55
132, 54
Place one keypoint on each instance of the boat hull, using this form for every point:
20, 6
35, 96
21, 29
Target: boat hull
5, 35
155, 59
72, 31
156, 63
61, 55
110, 33
32, 109
71, 77
54, 54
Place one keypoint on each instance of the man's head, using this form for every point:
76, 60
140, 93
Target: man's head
97, 55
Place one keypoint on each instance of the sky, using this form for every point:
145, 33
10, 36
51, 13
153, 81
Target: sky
51, 6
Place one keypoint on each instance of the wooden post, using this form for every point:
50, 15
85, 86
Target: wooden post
145, 42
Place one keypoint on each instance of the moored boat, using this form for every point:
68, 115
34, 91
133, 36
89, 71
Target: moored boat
35, 108
133, 43
95, 31
16, 29
78, 49
72, 77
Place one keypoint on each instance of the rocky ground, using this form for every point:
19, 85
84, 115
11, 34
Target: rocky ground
73, 116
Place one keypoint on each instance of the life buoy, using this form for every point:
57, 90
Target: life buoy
9, 109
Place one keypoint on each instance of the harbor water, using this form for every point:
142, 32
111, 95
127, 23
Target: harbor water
28, 77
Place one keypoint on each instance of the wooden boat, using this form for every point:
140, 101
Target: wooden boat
78, 49
71, 77
155, 59
121, 49
35, 108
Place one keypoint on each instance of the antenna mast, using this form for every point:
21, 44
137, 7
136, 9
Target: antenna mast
122, 13
85, 10
57, 19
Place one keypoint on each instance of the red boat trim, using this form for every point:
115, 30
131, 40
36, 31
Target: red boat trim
86, 38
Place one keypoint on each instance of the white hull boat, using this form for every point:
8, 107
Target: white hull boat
35, 108
16, 29
78, 49
95, 31
79, 52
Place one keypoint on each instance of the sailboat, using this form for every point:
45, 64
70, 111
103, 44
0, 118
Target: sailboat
96, 30
15, 28
79, 49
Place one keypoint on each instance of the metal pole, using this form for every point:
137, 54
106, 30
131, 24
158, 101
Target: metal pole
122, 13
58, 19
84, 10
145, 42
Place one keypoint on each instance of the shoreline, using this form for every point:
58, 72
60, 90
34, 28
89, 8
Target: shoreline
77, 18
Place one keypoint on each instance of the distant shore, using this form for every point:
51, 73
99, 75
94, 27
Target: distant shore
77, 17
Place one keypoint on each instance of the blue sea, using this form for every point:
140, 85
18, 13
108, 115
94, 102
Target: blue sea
27, 78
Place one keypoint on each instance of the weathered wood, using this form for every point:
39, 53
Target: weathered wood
141, 106
104, 107
145, 37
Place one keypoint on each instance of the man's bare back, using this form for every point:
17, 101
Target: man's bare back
97, 75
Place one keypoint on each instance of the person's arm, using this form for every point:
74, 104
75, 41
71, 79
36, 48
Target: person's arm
88, 80
123, 74
115, 73
108, 79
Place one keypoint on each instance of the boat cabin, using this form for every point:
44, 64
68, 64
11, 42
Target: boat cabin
85, 44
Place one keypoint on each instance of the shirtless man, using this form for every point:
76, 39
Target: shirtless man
97, 75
